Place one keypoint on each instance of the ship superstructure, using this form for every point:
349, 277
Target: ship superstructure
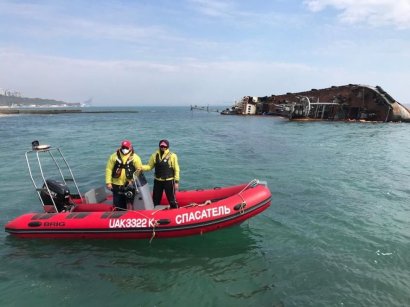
347, 102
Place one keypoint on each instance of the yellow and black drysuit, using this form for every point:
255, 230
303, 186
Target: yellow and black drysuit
166, 175
118, 173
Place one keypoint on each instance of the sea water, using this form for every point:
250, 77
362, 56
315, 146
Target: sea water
337, 232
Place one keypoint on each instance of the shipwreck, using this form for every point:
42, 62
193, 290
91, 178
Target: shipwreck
352, 102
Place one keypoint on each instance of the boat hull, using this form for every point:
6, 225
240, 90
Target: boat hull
201, 211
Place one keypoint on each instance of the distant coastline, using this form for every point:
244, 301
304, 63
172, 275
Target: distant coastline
12, 102
10, 98
4, 111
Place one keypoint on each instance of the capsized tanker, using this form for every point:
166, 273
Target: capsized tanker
352, 102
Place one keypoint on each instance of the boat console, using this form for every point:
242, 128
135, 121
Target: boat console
142, 198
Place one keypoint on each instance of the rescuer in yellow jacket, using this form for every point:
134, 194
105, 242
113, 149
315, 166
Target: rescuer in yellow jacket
121, 165
166, 174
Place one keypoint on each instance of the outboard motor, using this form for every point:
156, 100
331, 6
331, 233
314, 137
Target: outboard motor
142, 199
59, 195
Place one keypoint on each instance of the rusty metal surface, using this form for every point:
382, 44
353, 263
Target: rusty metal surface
347, 102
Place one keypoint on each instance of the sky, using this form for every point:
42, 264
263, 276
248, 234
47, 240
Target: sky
200, 52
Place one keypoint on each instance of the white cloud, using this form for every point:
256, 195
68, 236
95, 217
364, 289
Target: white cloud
139, 54
144, 83
184, 83
48, 22
372, 12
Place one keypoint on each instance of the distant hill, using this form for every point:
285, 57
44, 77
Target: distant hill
16, 101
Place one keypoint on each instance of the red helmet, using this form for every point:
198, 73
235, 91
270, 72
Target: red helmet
127, 144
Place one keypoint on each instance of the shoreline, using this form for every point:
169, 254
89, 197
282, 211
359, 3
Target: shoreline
58, 111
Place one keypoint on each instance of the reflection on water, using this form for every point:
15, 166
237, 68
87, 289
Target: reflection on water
228, 257
217, 244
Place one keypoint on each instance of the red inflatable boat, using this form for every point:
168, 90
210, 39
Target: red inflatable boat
92, 215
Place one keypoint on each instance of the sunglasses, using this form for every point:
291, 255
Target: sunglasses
163, 147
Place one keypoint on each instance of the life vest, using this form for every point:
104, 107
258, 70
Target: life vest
162, 168
128, 166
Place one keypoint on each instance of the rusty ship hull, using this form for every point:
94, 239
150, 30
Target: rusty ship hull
347, 103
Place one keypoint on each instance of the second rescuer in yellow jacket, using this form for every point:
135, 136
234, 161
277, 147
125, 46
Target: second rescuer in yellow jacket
166, 176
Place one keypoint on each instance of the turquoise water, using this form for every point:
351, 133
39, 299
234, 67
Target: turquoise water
337, 232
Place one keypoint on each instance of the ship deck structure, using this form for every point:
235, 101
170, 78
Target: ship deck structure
350, 102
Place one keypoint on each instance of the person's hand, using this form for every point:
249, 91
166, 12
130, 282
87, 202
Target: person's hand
109, 186
176, 186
